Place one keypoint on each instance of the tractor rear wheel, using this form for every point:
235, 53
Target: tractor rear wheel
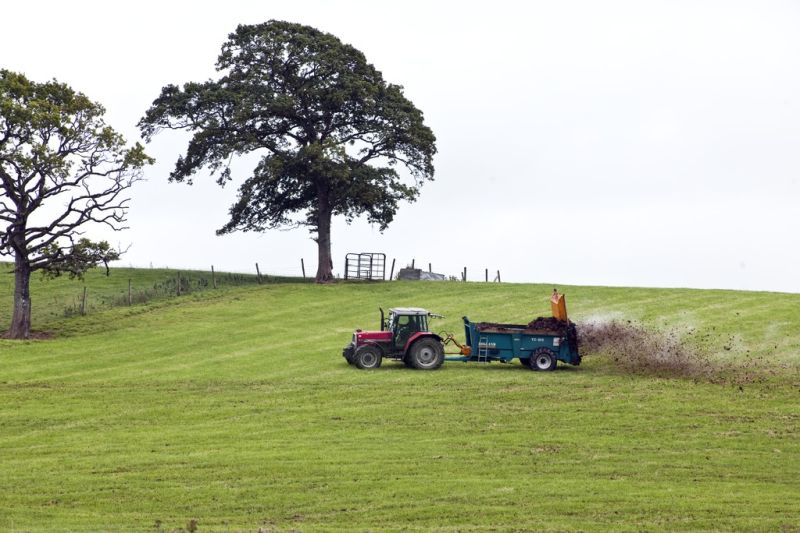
543, 359
426, 354
368, 357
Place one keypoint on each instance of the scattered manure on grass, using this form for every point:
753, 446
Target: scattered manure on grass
639, 350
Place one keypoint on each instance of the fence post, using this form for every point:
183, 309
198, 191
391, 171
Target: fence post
498, 276
465, 273
303, 266
83, 301
258, 273
391, 274
430, 269
130, 299
487, 275
412, 263
213, 277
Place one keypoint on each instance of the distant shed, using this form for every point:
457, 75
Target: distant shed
417, 274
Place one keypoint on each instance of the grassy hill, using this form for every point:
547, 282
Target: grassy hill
234, 408
55, 300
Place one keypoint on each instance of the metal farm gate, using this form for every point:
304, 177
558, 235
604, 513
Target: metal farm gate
366, 265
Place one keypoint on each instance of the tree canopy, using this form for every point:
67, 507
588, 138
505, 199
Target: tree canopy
330, 131
62, 170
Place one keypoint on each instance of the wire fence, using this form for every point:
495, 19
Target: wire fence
90, 300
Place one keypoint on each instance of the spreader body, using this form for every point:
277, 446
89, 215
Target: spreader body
505, 342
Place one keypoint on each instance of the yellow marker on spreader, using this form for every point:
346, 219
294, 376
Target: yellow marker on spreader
558, 306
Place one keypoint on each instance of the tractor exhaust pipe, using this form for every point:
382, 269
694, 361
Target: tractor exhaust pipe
381, 308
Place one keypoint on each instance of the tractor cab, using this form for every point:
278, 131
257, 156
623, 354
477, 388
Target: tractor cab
403, 322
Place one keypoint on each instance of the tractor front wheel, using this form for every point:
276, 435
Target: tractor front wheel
426, 354
368, 357
543, 359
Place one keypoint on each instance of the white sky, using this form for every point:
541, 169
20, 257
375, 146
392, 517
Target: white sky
637, 143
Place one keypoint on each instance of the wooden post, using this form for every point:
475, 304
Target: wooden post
303, 266
429, 268
130, 298
498, 276
487, 275
412, 263
83, 301
391, 274
213, 277
178, 284
465, 273
258, 273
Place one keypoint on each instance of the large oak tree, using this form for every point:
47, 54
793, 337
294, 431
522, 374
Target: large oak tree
62, 170
330, 131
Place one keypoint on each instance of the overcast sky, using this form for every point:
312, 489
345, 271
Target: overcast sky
632, 143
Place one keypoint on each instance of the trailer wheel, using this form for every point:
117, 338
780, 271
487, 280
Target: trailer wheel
426, 354
543, 359
368, 357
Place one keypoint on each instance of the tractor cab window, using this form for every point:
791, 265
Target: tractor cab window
407, 325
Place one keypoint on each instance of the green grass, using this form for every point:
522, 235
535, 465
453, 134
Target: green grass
235, 408
54, 300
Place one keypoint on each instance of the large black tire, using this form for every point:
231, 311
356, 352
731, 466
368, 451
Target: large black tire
368, 357
543, 359
426, 354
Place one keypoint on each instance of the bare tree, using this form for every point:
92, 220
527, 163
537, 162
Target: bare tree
62, 170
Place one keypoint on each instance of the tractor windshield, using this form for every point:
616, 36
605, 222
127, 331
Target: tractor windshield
403, 326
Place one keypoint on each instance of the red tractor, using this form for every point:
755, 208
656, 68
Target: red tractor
404, 336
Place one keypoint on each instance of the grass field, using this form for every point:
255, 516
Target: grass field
232, 409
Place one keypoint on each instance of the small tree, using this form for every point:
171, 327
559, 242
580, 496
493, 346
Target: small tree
330, 130
62, 169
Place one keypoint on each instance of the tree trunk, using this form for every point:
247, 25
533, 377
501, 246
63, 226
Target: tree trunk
324, 215
21, 320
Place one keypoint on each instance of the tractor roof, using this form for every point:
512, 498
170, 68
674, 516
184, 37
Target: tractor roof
409, 311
